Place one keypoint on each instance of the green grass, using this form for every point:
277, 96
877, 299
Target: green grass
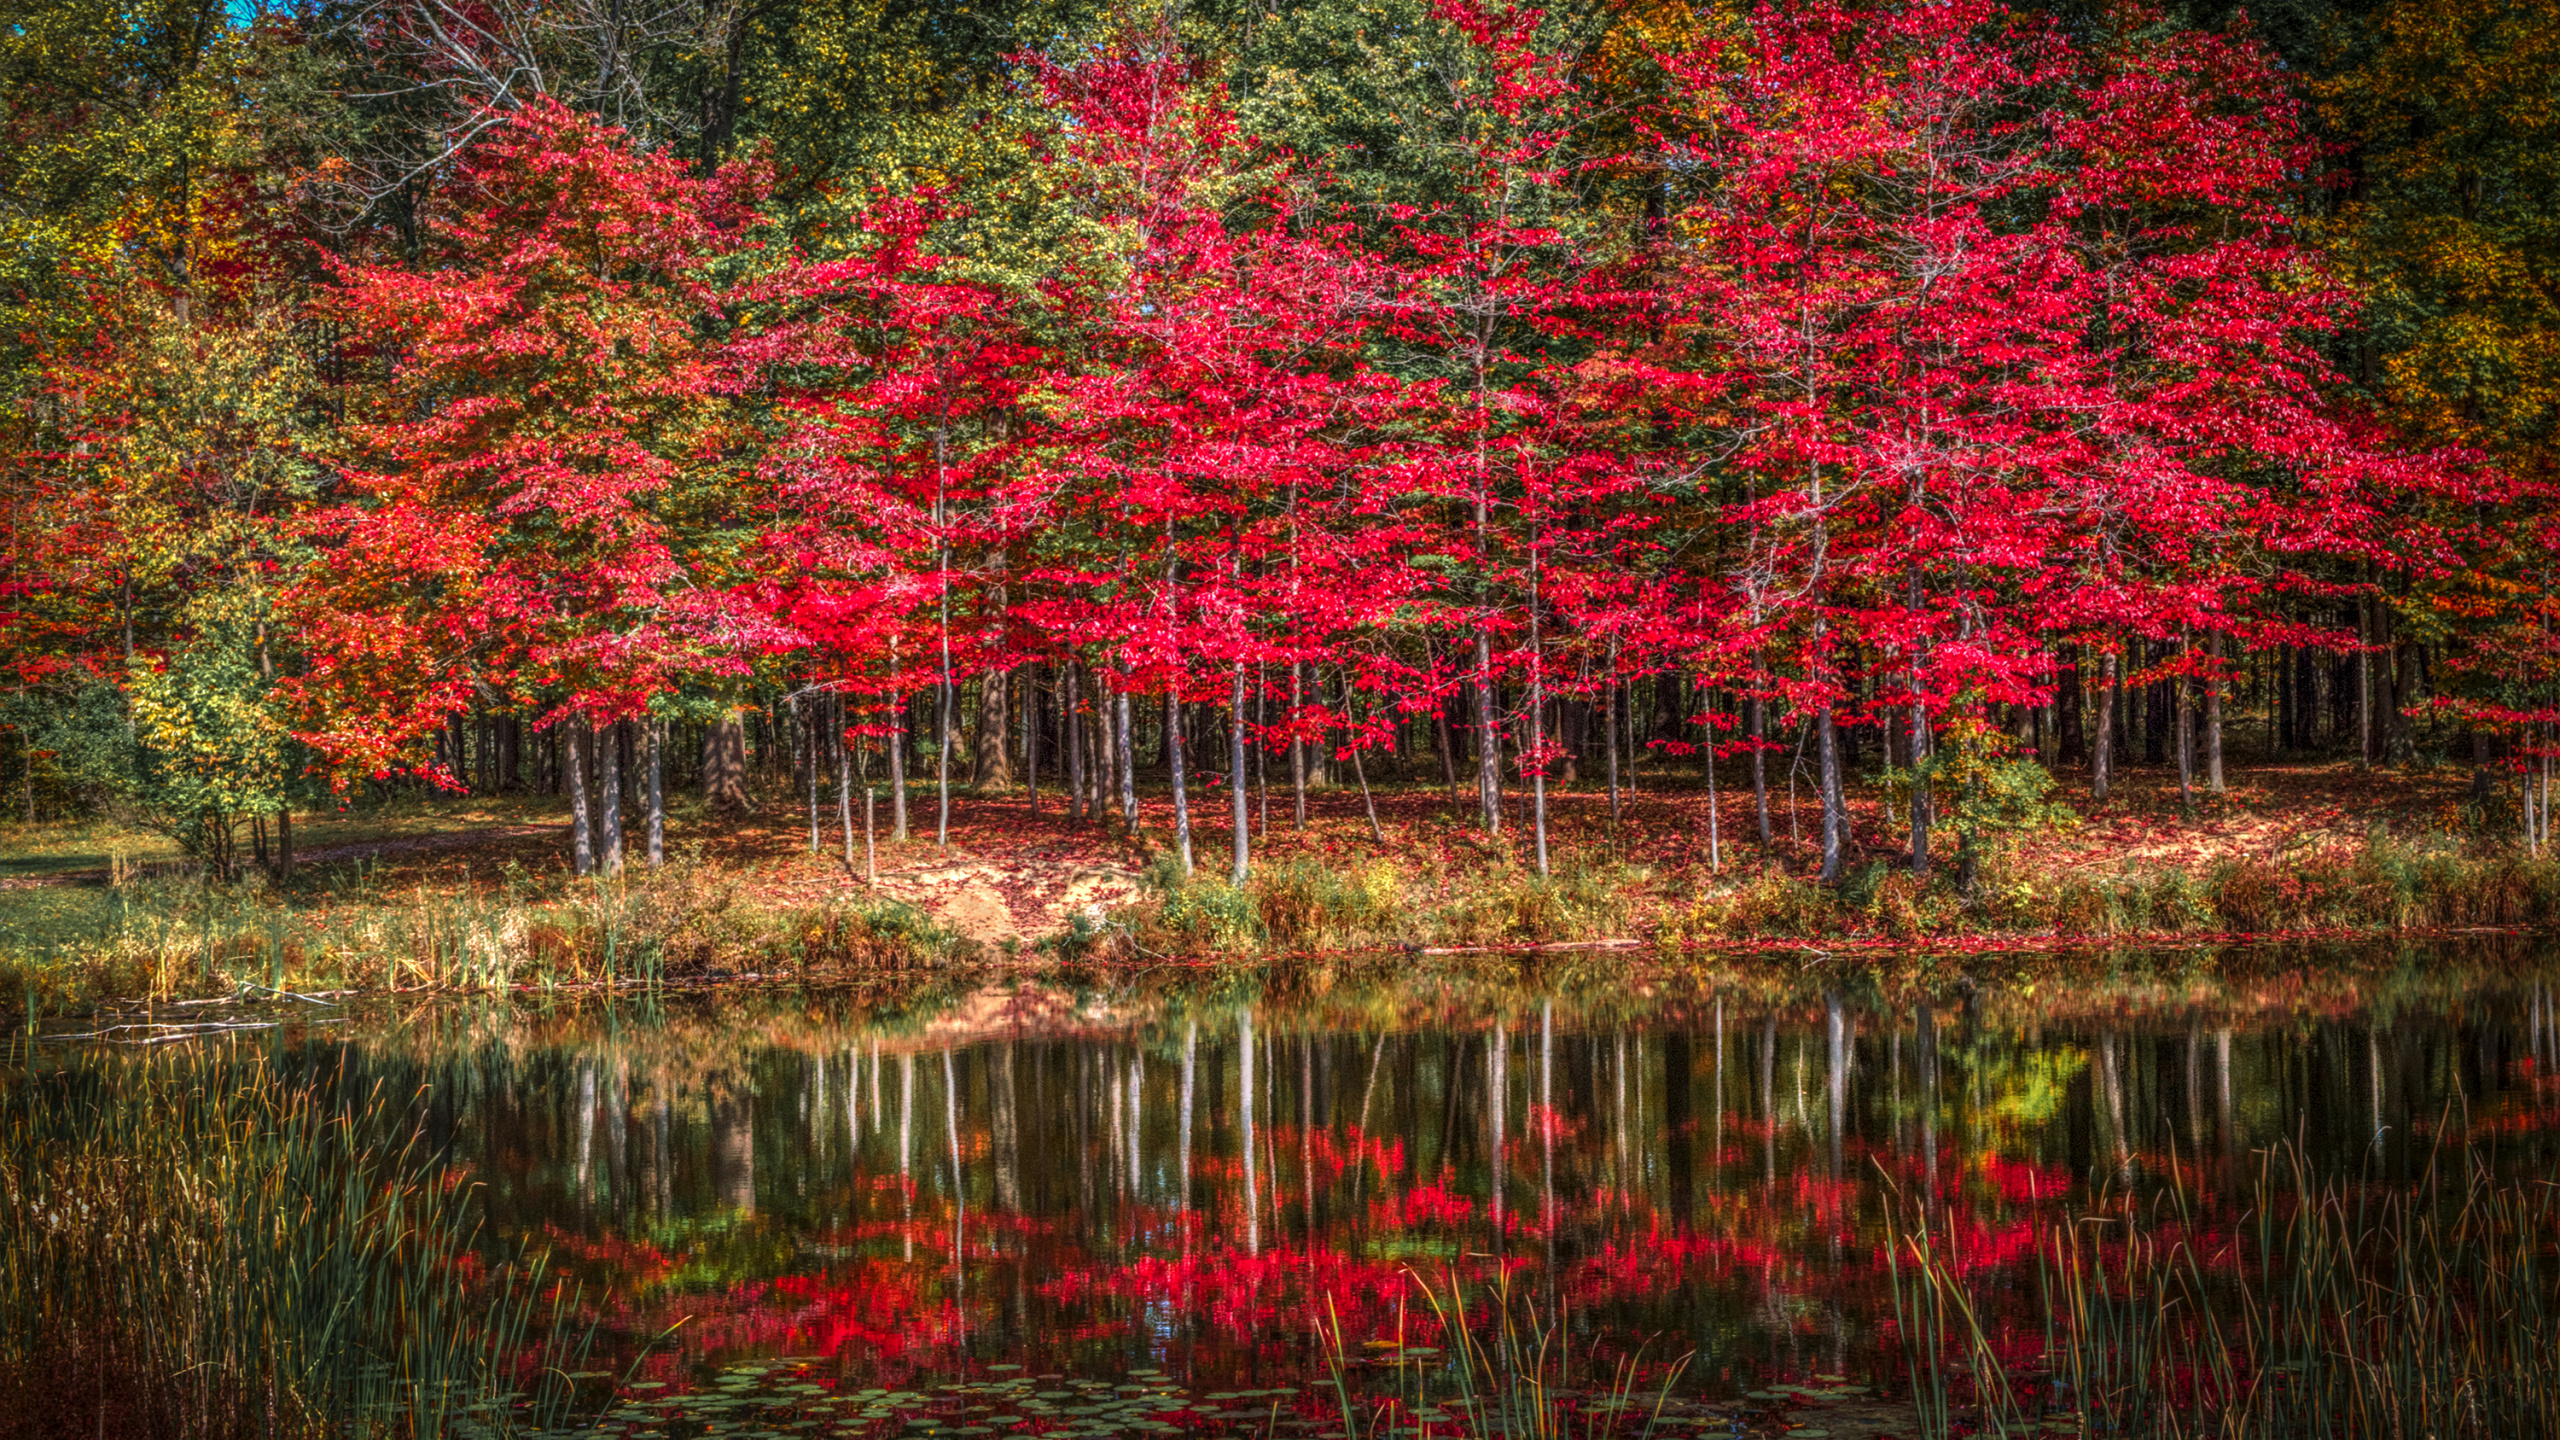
57, 847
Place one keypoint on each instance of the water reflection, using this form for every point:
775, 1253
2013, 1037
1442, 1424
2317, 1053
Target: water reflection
1091, 1182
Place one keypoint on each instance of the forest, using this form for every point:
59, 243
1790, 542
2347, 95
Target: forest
818, 401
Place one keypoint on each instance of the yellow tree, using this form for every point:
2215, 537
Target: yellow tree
2451, 111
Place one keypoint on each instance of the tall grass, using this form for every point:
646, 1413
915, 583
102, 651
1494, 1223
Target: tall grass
2335, 1309
196, 1248
1507, 1372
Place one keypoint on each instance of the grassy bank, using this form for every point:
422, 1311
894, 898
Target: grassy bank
199, 1247
2385, 885
65, 948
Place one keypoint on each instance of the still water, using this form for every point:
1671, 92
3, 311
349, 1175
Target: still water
1199, 1180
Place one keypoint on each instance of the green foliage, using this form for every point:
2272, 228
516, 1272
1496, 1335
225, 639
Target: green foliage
195, 747
1199, 913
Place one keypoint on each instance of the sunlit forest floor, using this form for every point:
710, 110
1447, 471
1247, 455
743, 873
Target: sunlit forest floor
474, 892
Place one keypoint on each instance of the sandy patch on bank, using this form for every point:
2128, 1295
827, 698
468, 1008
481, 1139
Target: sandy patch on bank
992, 901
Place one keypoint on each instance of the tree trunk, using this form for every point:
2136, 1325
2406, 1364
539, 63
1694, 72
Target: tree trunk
1106, 752
1128, 760
2102, 754
1536, 759
2071, 747
1242, 844
945, 697
1489, 742
1297, 745
284, 843
609, 781
812, 722
844, 779
1031, 735
724, 766
582, 855
1071, 726
1835, 805
897, 753
1173, 739
2399, 745
2213, 716
1448, 753
2368, 742
1923, 803
2184, 716
994, 761
657, 793
1760, 754
1609, 724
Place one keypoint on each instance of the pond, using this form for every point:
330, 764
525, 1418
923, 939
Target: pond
1212, 1190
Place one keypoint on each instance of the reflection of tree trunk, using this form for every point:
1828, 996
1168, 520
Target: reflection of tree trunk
1497, 1083
906, 1139
1079, 1093
617, 1146
2195, 1089
1307, 1135
1679, 1127
1244, 1092
2111, 1084
586, 1122
959, 1184
1008, 1158
1927, 1030
1715, 1150
733, 1151
662, 1178
1769, 1100
1182, 1158
1547, 1136
2222, 1099
1838, 1078
1137, 1086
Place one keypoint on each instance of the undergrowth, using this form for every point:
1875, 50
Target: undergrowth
1304, 905
67, 947
1301, 904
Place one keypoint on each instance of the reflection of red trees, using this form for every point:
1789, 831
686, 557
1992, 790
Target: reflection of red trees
1332, 1153
1242, 1295
1795, 1254
1430, 1203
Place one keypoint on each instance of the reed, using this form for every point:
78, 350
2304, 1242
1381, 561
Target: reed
193, 1247
1507, 1371
2336, 1308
